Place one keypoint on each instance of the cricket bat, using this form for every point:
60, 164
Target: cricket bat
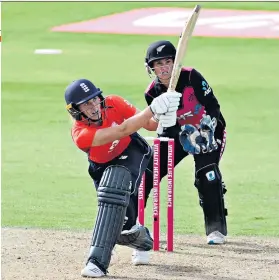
181, 51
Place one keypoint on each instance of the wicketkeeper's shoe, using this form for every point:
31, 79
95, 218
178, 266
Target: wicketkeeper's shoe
140, 257
216, 237
92, 271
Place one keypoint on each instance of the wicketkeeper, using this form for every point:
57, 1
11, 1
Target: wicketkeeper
105, 129
199, 131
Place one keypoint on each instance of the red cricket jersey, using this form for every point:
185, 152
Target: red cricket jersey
118, 110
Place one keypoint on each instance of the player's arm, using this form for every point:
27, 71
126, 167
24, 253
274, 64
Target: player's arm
87, 137
167, 102
152, 124
204, 94
129, 126
130, 110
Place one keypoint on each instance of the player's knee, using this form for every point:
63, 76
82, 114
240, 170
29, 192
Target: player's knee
208, 176
115, 186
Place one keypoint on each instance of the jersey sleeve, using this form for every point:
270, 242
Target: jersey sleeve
148, 93
204, 94
148, 98
83, 137
124, 107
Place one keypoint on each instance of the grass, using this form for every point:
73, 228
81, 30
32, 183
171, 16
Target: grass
44, 177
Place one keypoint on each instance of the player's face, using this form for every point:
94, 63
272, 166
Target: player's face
92, 108
163, 68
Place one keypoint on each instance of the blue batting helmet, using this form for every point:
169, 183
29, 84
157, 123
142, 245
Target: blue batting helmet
79, 92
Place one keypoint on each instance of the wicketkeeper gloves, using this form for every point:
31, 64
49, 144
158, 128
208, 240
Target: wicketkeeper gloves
196, 141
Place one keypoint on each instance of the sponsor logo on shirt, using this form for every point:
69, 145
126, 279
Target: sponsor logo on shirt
206, 88
113, 145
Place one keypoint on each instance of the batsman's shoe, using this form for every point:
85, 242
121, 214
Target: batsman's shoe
140, 257
92, 271
216, 237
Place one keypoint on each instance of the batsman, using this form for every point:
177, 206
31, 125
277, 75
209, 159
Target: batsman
199, 130
105, 129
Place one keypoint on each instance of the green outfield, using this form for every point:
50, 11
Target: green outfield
44, 177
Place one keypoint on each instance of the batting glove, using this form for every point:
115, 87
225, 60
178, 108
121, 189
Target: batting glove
168, 119
166, 102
